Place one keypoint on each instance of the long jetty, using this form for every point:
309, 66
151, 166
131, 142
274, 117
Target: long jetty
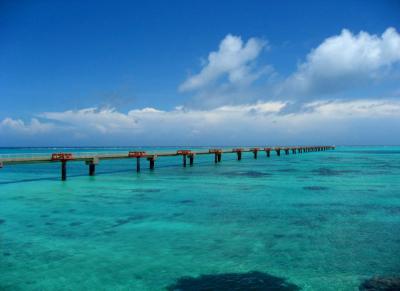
94, 159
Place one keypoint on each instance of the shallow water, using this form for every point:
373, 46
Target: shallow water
323, 221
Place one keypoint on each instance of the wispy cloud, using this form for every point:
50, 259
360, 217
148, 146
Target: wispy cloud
233, 60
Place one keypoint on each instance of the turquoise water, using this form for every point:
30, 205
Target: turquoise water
323, 221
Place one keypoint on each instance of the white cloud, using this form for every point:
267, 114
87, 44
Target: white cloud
18, 126
102, 120
358, 121
233, 59
343, 61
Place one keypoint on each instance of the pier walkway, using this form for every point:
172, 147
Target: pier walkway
93, 159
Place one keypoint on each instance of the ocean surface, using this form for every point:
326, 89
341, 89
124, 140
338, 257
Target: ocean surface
315, 221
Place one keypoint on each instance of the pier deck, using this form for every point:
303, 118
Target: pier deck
94, 158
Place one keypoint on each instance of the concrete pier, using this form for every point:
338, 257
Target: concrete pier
93, 160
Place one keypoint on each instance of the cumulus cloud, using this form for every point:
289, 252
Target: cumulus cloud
344, 61
232, 60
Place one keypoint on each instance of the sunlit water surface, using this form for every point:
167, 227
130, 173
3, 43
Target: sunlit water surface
323, 220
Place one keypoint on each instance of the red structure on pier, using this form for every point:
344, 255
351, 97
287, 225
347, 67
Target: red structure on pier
136, 154
61, 157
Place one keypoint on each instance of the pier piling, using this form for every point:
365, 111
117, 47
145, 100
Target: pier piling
255, 152
92, 169
184, 154
238, 152
268, 152
63, 170
184, 160
152, 160
217, 155
191, 159
92, 165
138, 164
137, 155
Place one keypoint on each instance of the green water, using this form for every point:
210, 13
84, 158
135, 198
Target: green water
323, 220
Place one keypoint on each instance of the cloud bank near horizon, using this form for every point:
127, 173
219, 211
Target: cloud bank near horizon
345, 122
314, 104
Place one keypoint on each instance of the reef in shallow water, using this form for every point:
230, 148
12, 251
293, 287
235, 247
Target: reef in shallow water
381, 284
256, 281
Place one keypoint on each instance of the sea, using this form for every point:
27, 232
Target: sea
312, 221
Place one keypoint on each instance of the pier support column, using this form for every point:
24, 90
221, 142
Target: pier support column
63, 170
294, 151
268, 154
191, 159
92, 165
152, 160
184, 160
92, 169
215, 158
219, 157
138, 165
278, 152
255, 152
239, 156
286, 151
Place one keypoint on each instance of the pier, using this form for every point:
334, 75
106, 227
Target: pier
92, 160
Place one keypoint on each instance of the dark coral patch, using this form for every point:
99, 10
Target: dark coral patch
146, 190
250, 174
288, 170
129, 219
75, 223
332, 172
381, 284
188, 201
177, 214
233, 281
315, 188
2, 221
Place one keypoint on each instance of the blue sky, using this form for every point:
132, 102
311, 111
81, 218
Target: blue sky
199, 72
